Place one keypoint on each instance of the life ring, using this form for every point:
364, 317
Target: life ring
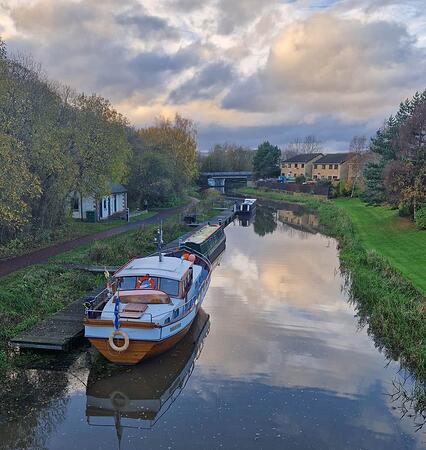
114, 346
142, 280
119, 401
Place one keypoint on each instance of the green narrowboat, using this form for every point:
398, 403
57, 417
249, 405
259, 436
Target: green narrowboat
209, 240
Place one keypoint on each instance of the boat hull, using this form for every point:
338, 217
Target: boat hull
138, 350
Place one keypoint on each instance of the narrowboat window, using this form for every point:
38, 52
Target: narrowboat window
170, 287
175, 313
167, 320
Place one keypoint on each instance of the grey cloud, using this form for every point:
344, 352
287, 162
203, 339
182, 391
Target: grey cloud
149, 27
235, 13
207, 83
328, 129
329, 65
83, 38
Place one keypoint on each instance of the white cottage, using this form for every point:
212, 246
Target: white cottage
112, 204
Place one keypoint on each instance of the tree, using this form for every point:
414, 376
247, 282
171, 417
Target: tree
17, 187
358, 149
308, 145
227, 158
266, 160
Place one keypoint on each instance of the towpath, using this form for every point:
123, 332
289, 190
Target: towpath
38, 256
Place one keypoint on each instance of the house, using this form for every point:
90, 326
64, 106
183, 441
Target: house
112, 204
299, 165
333, 166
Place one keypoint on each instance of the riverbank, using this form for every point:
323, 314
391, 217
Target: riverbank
385, 300
32, 294
71, 229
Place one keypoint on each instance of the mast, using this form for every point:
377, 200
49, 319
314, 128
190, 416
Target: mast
159, 241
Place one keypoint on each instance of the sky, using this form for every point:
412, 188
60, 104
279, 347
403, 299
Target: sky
244, 70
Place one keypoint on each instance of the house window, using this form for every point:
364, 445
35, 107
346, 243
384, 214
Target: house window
105, 203
330, 166
75, 204
323, 166
303, 166
296, 166
315, 177
334, 177
336, 166
329, 177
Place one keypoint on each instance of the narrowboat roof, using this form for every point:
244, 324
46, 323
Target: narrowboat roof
202, 234
170, 267
249, 201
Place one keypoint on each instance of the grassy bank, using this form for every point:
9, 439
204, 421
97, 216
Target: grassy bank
383, 278
71, 229
32, 294
394, 237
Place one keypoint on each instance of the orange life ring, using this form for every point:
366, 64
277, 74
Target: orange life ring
141, 280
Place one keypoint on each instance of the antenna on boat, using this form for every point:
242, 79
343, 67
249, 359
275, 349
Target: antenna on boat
159, 241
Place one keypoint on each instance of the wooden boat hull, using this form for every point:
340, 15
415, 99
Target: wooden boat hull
137, 350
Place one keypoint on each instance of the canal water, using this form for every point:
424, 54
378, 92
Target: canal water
277, 360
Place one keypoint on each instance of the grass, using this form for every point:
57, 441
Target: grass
303, 199
395, 238
71, 229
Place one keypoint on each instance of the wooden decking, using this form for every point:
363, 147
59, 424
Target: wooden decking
58, 332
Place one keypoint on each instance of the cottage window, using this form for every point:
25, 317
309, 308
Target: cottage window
329, 177
303, 166
330, 166
315, 166
336, 166
323, 166
334, 177
296, 166
315, 177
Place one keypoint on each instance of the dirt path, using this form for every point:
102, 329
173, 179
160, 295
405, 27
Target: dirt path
12, 264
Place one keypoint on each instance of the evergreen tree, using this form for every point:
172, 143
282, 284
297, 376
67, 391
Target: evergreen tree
266, 160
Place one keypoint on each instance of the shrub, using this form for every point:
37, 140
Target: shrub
421, 218
405, 210
300, 179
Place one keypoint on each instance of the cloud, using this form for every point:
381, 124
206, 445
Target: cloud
207, 83
329, 65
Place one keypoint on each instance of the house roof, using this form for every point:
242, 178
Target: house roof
116, 188
333, 158
169, 267
303, 158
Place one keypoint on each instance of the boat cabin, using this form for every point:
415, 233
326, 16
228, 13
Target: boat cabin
246, 207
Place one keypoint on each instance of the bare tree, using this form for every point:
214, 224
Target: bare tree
359, 151
309, 144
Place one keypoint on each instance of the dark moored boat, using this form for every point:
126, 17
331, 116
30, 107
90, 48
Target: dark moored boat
208, 241
245, 208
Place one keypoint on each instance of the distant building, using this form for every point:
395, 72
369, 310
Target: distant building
333, 166
111, 204
299, 165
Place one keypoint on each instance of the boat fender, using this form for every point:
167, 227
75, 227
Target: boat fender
114, 346
192, 258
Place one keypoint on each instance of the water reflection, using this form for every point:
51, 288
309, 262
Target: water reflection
286, 364
138, 396
265, 221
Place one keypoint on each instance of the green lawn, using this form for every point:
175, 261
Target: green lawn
396, 238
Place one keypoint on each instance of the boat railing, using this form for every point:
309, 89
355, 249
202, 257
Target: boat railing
95, 313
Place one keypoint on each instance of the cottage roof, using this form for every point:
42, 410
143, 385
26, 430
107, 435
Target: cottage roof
333, 158
169, 267
116, 188
303, 158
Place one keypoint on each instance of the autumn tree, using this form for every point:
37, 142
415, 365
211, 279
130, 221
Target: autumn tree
18, 186
358, 149
307, 145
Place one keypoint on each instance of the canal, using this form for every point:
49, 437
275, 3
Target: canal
277, 360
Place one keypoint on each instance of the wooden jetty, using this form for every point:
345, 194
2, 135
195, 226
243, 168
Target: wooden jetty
61, 331
58, 332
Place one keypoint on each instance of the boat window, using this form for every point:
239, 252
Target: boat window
127, 283
170, 287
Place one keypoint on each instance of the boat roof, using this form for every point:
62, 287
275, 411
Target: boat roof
249, 201
202, 234
170, 267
